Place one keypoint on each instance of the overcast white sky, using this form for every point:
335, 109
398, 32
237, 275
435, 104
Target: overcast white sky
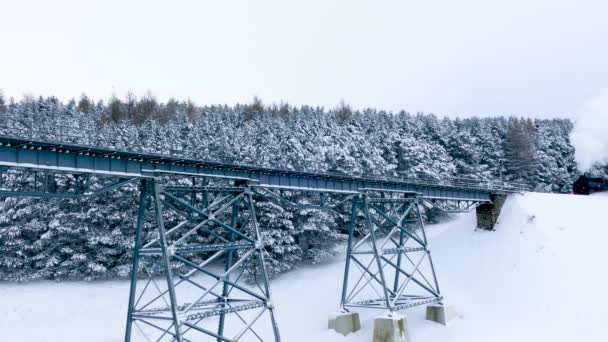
460, 57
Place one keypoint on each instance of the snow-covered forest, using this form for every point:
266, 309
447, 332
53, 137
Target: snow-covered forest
93, 238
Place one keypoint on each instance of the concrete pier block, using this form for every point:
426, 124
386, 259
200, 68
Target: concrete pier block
488, 213
391, 328
344, 322
441, 314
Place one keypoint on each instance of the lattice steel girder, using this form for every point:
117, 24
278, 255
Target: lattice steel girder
316, 200
75, 159
41, 183
390, 266
453, 205
196, 295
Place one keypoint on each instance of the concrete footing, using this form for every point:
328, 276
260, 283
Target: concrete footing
391, 328
344, 322
441, 314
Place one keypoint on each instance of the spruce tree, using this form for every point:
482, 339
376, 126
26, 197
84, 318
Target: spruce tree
520, 152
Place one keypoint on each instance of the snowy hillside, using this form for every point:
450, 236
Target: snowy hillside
538, 277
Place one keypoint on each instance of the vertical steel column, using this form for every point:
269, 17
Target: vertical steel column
158, 188
205, 194
260, 252
349, 248
399, 256
193, 193
428, 252
401, 242
370, 226
229, 256
138, 239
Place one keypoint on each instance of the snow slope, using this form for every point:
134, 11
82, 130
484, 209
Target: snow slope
540, 276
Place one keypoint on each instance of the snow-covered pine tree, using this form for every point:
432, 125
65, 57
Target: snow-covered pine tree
520, 151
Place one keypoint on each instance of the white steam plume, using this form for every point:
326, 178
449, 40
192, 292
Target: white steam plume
590, 134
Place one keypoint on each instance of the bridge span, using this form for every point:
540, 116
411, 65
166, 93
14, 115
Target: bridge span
388, 263
75, 159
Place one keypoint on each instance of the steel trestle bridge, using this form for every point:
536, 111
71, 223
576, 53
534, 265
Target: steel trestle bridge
189, 297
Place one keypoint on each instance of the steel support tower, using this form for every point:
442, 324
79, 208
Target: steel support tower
180, 292
388, 262
189, 298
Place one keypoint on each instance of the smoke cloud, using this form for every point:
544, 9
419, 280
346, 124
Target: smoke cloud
590, 134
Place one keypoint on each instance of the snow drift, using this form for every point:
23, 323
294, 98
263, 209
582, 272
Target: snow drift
538, 277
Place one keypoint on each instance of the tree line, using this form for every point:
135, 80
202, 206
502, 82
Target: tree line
93, 239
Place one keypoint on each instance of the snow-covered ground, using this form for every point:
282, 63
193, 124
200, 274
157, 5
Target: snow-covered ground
539, 277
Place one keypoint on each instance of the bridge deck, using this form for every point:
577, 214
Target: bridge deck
76, 159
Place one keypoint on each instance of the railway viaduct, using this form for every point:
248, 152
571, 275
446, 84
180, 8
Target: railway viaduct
388, 264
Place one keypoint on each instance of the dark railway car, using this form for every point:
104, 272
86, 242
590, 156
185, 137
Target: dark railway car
587, 185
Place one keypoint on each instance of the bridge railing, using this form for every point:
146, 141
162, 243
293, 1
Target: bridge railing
465, 183
95, 137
